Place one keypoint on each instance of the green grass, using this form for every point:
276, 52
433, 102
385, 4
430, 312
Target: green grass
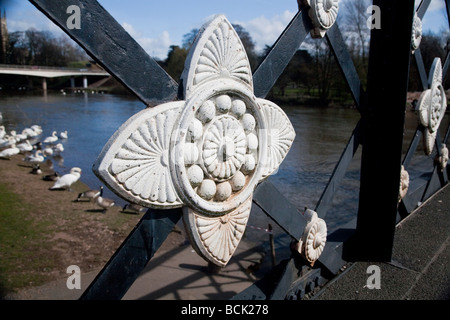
20, 237
29, 254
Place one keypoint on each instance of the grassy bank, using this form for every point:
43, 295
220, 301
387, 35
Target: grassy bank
42, 232
20, 236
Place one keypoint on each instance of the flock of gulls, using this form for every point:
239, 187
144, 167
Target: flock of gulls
37, 151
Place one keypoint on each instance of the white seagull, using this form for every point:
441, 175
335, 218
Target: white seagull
68, 179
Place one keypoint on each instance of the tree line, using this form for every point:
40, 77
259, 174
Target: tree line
311, 77
42, 48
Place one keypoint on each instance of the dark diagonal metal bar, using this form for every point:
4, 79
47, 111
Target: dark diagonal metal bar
105, 40
281, 53
423, 6
447, 134
413, 147
133, 255
421, 68
338, 174
447, 5
345, 62
277, 207
445, 67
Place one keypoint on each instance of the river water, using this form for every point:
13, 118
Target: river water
91, 119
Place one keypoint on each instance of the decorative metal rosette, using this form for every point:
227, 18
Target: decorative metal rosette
432, 105
323, 14
314, 237
416, 35
404, 184
443, 157
206, 153
218, 147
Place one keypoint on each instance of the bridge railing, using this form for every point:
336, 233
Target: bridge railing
379, 133
48, 68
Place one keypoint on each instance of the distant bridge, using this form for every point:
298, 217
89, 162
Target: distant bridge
52, 72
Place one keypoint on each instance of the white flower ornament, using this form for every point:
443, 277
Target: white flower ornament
432, 105
206, 153
314, 237
323, 14
416, 35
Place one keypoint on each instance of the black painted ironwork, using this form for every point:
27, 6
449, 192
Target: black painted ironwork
130, 259
426, 185
280, 54
386, 105
380, 131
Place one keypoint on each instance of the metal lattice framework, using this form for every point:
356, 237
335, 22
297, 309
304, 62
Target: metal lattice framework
371, 235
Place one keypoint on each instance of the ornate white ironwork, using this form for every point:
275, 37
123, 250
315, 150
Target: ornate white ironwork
323, 14
206, 153
443, 158
432, 105
314, 237
416, 36
404, 184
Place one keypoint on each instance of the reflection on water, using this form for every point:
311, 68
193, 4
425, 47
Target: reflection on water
91, 119
321, 135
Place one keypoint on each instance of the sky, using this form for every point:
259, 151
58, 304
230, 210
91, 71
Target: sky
156, 24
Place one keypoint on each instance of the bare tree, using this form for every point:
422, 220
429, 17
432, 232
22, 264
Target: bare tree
357, 32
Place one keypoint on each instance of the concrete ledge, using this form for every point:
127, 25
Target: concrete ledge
419, 267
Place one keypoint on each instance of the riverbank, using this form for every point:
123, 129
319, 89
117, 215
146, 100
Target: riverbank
43, 232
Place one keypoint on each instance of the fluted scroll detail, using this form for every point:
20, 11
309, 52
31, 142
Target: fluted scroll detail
219, 236
220, 54
136, 163
280, 133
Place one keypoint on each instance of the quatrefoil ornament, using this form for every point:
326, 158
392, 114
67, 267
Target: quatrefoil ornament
206, 153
